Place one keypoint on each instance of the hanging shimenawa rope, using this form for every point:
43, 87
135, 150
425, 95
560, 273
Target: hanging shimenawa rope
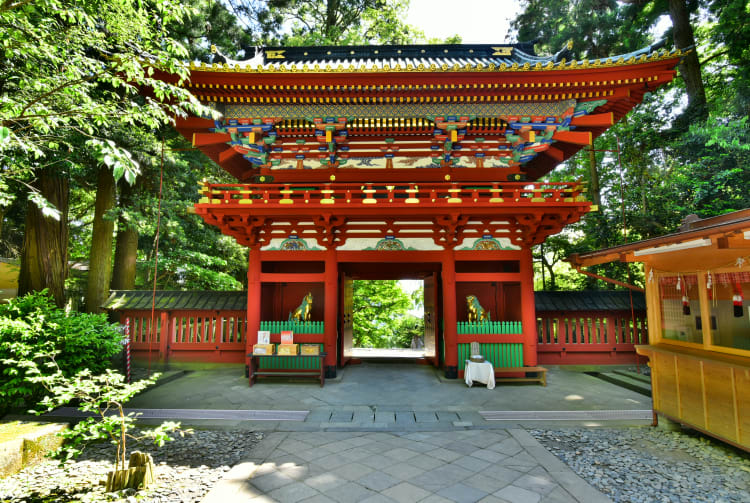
156, 258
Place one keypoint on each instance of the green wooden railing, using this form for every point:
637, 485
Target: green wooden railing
489, 327
499, 354
301, 363
298, 327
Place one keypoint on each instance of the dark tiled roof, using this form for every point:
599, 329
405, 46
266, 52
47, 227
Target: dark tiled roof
520, 57
589, 300
592, 300
177, 300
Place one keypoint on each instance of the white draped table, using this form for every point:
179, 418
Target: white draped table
481, 372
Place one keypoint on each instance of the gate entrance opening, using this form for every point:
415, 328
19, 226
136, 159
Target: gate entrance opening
389, 312
388, 319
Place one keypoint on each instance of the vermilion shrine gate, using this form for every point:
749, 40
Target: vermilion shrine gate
404, 162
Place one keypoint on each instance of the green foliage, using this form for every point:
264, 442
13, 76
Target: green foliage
665, 170
192, 255
713, 178
214, 24
336, 22
33, 329
596, 28
381, 315
73, 70
104, 396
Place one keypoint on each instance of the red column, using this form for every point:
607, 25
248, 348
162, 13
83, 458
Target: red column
330, 314
449, 314
164, 337
253, 301
528, 309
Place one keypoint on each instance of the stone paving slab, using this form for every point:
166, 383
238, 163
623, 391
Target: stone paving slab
463, 466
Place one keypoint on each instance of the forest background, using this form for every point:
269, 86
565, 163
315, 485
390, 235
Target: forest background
82, 151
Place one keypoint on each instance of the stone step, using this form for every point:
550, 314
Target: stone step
23, 443
626, 382
634, 375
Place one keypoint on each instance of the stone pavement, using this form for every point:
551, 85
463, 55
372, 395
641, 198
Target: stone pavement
463, 466
395, 432
377, 395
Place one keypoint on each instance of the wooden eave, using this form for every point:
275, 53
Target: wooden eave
622, 85
447, 213
445, 87
729, 236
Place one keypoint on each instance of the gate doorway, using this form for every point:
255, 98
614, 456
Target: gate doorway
388, 312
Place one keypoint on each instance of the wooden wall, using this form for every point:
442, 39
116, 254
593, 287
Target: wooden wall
710, 393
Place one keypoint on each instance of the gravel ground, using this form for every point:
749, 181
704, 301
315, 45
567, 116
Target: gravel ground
186, 469
653, 465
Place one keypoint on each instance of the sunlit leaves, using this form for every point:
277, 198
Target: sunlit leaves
118, 159
79, 68
381, 315
48, 209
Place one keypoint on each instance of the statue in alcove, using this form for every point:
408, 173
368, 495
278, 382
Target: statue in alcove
303, 312
476, 313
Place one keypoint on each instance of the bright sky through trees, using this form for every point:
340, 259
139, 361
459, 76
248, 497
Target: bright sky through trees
476, 21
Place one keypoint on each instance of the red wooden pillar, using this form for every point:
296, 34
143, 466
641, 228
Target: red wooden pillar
449, 315
164, 335
253, 300
528, 309
330, 313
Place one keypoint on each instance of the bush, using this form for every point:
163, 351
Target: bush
35, 332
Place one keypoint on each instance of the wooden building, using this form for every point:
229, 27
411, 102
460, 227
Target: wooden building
697, 287
391, 162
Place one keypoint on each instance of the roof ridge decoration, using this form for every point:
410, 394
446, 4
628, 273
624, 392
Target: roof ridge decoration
422, 58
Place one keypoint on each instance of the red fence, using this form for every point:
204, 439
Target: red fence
593, 338
565, 338
195, 336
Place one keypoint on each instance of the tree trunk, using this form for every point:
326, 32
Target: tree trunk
126, 245
331, 8
550, 269
100, 258
690, 67
44, 259
595, 195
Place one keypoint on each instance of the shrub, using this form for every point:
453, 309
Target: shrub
35, 331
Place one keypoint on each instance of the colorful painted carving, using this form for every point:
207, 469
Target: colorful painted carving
293, 243
390, 244
487, 244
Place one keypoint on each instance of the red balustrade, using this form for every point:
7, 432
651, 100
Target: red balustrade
590, 338
441, 194
196, 336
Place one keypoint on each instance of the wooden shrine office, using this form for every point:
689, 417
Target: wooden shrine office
697, 284
391, 162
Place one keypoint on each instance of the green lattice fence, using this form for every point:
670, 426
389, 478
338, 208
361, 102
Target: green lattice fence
489, 327
298, 327
500, 355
